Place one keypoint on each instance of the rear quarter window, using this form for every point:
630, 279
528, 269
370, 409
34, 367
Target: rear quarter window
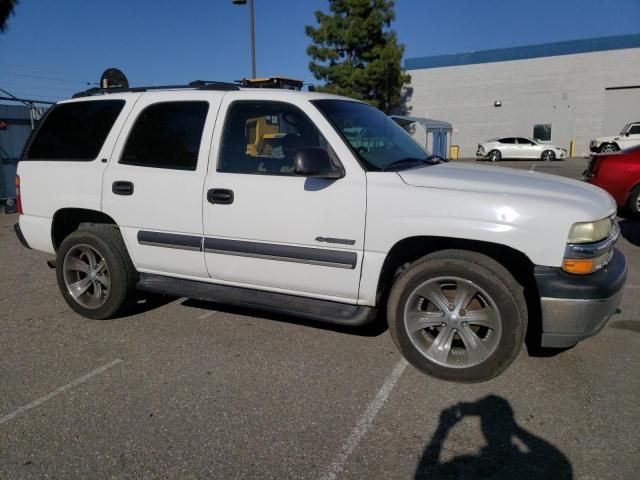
74, 131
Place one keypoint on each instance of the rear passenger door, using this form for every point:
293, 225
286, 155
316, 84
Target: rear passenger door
153, 184
508, 147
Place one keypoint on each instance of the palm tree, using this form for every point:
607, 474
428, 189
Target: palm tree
6, 10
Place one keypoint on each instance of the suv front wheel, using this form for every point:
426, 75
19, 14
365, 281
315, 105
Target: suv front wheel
95, 273
458, 315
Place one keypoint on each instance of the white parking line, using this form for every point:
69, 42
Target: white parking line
365, 422
632, 286
533, 167
205, 315
58, 390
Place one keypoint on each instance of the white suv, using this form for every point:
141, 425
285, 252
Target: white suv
628, 137
268, 199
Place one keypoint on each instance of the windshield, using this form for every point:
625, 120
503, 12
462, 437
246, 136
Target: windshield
379, 142
625, 128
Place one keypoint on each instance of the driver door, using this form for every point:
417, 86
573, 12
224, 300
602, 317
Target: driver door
265, 227
528, 149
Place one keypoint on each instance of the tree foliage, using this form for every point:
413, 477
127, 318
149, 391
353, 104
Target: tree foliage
6, 10
356, 54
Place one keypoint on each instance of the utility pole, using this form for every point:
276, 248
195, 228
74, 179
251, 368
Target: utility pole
253, 38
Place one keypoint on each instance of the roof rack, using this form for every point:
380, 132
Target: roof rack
195, 85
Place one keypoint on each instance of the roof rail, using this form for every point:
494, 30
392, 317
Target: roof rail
195, 85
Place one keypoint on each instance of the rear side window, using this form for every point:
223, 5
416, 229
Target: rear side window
167, 135
74, 131
507, 140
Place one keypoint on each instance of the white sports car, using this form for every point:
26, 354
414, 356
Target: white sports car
519, 147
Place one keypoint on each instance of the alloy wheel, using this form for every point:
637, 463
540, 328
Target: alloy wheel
453, 322
86, 276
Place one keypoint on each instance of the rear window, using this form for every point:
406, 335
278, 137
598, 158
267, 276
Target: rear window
74, 131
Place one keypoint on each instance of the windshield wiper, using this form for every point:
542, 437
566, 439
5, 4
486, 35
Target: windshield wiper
430, 160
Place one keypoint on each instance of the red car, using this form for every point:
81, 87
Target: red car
619, 174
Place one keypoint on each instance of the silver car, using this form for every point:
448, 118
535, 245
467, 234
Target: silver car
519, 147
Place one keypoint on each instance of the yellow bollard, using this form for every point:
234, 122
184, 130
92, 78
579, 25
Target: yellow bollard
572, 147
453, 152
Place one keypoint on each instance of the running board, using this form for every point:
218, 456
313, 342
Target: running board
295, 306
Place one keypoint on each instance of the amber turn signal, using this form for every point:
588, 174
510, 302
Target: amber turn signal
579, 266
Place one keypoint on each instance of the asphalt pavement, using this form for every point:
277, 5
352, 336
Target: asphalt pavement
184, 390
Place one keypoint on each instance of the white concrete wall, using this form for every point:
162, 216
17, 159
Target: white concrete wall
567, 91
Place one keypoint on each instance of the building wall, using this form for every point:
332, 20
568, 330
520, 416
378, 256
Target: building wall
12, 141
621, 106
567, 91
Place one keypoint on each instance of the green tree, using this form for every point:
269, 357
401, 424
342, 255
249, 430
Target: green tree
356, 54
6, 9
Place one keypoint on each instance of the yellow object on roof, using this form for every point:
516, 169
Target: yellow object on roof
273, 82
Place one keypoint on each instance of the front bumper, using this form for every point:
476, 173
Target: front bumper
575, 307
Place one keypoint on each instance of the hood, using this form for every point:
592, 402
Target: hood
509, 181
610, 138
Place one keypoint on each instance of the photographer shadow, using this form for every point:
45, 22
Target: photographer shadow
510, 451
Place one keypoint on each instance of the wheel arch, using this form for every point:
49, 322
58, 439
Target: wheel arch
408, 250
614, 143
67, 220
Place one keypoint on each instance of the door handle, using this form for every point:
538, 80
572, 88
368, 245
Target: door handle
122, 188
221, 196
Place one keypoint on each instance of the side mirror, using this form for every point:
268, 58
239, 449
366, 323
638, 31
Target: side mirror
316, 163
626, 134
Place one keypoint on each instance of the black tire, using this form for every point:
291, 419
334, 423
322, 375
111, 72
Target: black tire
633, 202
499, 286
548, 156
106, 241
494, 155
608, 148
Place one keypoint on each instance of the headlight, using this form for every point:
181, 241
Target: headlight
589, 232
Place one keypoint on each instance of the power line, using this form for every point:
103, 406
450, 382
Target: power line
42, 69
39, 86
43, 78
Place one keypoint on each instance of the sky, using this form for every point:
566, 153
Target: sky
53, 48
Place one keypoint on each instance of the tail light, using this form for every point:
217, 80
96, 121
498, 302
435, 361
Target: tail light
18, 197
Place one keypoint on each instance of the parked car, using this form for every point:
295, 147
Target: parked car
619, 174
629, 137
519, 147
165, 191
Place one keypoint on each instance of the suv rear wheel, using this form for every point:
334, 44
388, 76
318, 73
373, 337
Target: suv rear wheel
95, 273
458, 315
